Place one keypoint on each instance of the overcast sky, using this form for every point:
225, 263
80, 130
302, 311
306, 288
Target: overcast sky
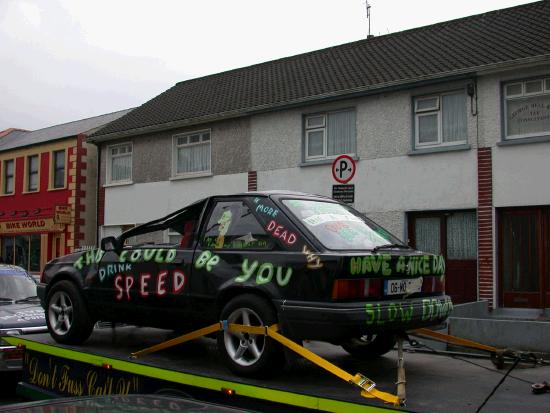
64, 60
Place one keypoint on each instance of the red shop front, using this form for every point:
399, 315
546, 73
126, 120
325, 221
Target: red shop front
32, 242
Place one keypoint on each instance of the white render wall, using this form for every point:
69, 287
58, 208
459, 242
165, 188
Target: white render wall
520, 172
521, 175
388, 182
139, 203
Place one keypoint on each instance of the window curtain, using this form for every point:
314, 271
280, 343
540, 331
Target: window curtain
462, 236
121, 169
454, 117
427, 235
341, 133
195, 158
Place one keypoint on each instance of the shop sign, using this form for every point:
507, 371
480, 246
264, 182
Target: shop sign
30, 225
62, 214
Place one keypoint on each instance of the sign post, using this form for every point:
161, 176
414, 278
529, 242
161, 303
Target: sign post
343, 171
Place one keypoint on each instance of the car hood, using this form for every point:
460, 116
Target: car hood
21, 316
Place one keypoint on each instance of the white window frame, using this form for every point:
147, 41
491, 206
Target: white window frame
523, 95
323, 127
176, 146
437, 110
110, 156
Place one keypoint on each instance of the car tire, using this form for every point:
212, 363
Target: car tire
67, 316
370, 346
247, 354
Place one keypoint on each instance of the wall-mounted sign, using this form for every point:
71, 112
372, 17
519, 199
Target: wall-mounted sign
30, 225
343, 169
62, 214
344, 193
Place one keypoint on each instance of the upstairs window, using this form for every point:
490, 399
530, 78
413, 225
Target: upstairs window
328, 135
32, 173
191, 153
119, 163
527, 108
58, 169
8, 177
440, 120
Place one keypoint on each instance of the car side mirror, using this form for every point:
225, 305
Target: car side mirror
110, 244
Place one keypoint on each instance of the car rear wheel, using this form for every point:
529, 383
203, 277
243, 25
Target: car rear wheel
68, 319
370, 346
250, 354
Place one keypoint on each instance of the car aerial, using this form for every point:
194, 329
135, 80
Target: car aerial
20, 312
315, 266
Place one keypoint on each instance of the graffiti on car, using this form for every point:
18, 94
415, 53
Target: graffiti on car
404, 265
264, 273
313, 261
147, 284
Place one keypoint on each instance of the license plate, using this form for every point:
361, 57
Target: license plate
398, 287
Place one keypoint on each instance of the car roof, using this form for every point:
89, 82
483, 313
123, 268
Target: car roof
277, 192
7, 269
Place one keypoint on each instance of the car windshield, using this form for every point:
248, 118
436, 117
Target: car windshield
339, 227
17, 287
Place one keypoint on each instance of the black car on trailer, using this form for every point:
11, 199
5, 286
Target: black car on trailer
320, 269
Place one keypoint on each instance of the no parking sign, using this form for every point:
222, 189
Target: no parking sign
343, 169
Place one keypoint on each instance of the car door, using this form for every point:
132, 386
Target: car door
233, 245
147, 282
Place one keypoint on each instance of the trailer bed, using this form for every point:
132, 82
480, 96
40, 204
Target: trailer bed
435, 383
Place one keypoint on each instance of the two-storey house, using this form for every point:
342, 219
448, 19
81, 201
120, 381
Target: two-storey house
449, 126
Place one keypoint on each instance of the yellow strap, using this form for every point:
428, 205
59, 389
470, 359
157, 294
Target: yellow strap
368, 386
178, 340
455, 340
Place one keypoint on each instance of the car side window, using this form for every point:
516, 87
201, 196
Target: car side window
232, 225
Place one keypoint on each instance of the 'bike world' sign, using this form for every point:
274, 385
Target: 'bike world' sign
30, 225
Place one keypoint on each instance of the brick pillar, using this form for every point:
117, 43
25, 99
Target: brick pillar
486, 280
101, 206
252, 181
80, 189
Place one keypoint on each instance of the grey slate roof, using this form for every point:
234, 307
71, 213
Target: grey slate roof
462, 46
18, 139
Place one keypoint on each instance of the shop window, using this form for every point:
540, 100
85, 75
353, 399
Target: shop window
32, 173
22, 250
191, 154
58, 169
330, 134
8, 177
440, 120
527, 109
119, 163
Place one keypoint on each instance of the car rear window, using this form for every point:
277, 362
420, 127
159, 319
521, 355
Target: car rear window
339, 227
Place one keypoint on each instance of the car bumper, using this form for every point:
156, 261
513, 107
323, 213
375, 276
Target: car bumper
335, 322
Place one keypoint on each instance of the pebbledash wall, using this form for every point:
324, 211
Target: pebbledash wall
265, 151
154, 191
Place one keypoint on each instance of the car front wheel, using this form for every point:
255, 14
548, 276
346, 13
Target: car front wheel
370, 346
247, 354
67, 317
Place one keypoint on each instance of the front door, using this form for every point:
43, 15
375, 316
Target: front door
454, 235
524, 251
